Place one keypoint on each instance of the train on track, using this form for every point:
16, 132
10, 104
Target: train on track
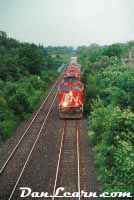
70, 92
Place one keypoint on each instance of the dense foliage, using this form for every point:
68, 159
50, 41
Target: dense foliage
26, 71
109, 102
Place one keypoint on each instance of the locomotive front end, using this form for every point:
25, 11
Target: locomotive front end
70, 100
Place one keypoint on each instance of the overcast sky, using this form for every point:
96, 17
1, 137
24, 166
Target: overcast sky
68, 22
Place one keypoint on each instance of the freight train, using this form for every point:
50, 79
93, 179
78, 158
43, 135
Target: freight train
70, 92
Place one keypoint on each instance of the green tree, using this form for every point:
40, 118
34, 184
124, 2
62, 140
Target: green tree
31, 58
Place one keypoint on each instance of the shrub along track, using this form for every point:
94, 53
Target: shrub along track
12, 165
41, 172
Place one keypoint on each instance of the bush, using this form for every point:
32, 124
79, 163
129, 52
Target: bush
114, 145
6, 128
26, 72
7, 119
109, 105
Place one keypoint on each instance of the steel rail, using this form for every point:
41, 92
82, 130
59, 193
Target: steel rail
25, 132
33, 147
58, 164
78, 162
59, 160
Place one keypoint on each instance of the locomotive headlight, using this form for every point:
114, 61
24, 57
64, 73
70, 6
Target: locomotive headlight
64, 104
76, 104
71, 94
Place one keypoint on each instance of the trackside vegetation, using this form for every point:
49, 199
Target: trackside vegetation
26, 72
109, 107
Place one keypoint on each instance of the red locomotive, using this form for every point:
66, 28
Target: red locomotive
70, 93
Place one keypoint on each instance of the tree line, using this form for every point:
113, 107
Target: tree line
109, 107
26, 72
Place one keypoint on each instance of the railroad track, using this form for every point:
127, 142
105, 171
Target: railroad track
65, 169
21, 153
48, 155
68, 163
59, 162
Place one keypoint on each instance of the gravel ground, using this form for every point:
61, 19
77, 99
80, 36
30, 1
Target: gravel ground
12, 170
40, 171
88, 178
